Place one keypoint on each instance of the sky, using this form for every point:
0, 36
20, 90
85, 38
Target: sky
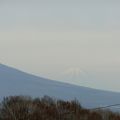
74, 41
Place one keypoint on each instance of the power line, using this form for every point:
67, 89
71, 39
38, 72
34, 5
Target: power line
108, 106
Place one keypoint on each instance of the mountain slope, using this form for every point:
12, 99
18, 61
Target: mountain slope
15, 82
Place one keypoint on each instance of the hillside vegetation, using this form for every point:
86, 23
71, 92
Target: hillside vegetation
46, 108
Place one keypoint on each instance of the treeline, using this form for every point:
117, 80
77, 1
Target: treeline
46, 108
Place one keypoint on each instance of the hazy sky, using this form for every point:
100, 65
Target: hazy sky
63, 39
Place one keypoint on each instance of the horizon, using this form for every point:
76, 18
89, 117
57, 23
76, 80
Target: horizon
52, 80
68, 41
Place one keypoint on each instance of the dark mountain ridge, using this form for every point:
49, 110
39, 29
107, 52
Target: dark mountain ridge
16, 82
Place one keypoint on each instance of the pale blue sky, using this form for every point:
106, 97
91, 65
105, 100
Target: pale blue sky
52, 38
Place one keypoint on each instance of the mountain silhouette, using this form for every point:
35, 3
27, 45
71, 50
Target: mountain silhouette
16, 82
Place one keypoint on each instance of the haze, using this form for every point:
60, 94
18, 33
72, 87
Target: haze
50, 38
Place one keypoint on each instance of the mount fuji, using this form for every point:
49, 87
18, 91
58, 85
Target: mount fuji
16, 82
